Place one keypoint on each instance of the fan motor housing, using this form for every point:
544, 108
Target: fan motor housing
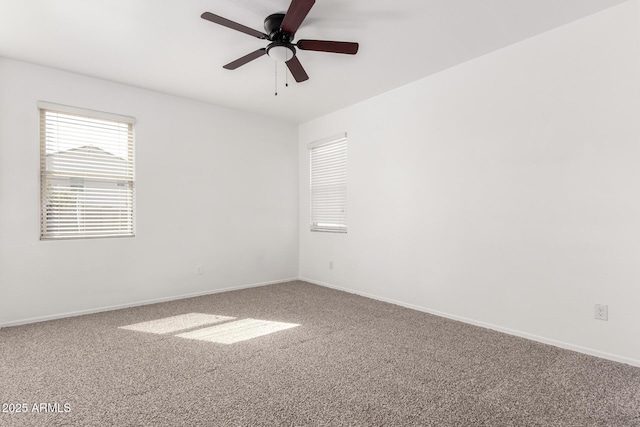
272, 25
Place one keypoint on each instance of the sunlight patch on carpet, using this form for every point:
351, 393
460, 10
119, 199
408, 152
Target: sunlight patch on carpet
237, 331
176, 323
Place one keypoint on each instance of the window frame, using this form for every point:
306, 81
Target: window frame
335, 222
95, 176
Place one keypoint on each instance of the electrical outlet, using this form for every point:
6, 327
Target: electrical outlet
601, 312
199, 270
330, 265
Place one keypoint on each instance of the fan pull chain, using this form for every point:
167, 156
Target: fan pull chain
286, 74
276, 82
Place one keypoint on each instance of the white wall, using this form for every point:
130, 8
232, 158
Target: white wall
214, 187
504, 192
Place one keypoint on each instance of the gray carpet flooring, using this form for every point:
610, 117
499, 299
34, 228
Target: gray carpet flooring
351, 361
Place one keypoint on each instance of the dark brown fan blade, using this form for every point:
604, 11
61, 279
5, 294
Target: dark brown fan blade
247, 58
328, 46
296, 69
233, 25
298, 10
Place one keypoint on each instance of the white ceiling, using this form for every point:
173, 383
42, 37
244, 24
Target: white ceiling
165, 46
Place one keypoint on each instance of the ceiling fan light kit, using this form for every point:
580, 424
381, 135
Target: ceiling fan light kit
280, 31
281, 52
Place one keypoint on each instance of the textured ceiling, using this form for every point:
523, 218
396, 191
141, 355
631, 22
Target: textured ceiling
165, 46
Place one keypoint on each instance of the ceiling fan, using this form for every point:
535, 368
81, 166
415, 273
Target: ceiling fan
280, 31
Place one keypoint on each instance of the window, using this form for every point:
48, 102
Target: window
86, 173
328, 159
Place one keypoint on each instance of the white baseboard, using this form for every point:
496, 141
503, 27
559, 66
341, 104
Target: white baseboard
544, 340
137, 303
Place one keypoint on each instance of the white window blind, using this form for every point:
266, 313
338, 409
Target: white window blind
328, 164
86, 173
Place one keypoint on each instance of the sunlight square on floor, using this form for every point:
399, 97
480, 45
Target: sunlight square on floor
177, 323
240, 330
